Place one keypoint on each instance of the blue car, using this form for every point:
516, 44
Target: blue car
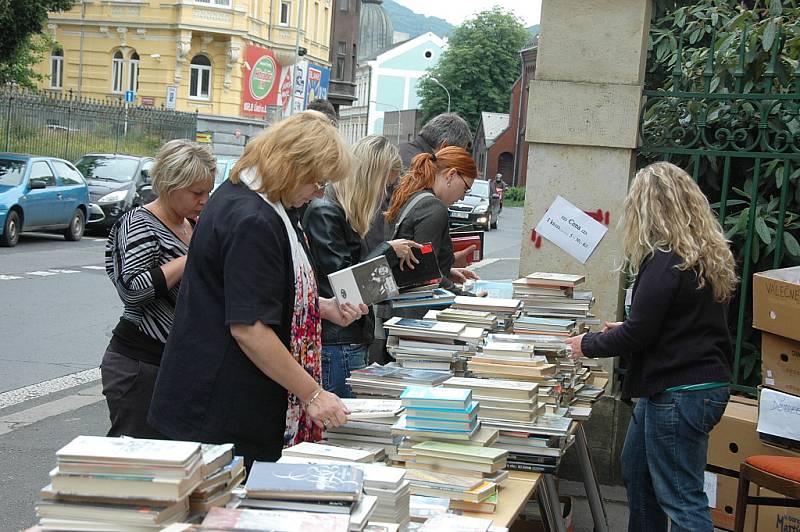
41, 194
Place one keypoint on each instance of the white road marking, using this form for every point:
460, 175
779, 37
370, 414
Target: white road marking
53, 408
8, 277
40, 389
93, 267
63, 271
41, 273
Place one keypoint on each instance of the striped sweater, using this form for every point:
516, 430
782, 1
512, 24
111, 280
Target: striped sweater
139, 243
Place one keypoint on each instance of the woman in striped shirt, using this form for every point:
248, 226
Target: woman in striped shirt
145, 257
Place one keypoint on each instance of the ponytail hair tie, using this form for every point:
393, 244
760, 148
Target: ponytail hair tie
433, 157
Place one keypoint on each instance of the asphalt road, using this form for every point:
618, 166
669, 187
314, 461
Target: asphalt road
57, 309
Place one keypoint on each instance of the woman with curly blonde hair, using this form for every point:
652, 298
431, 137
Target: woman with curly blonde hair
677, 346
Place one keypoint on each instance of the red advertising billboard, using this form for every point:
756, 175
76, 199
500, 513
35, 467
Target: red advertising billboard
260, 81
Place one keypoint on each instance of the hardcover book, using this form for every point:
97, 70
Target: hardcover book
129, 450
320, 482
425, 273
436, 397
367, 282
277, 521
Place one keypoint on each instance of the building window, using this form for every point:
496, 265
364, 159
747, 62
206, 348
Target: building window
133, 72
116, 72
341, 58
353, 62
57, 69
200, 78
286, 8
344, 5
221, 3
316, 22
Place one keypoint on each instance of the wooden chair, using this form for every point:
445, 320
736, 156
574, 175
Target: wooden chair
776, 473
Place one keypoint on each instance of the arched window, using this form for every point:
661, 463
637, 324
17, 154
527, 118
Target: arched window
200, 78
133, 72
116, 72
57, 69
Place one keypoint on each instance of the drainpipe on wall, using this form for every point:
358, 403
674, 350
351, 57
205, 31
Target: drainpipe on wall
517, 155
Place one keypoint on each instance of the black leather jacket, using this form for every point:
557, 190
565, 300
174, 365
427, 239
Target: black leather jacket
335, 245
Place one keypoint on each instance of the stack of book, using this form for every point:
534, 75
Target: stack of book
390, 380
431, 344
509, 360
308, 449
537, 446
475, 318
222, 472
316, 488
423, 297
446, 410
102, 483
387, 484
502, 400
505, 309
553, 295
543, 326
368, 426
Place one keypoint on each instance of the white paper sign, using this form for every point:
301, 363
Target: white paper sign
710, 487
571, 229
779, 414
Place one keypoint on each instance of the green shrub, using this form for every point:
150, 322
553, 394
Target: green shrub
514, 196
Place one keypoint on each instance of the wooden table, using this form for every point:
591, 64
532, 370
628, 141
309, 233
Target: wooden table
512, 497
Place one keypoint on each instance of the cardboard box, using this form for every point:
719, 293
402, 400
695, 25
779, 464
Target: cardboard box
721, 491
776, 518
780, 363
735, 438
776, 302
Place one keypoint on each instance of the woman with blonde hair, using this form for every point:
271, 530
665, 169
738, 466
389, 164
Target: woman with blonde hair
676, 343
336, 225
145, 258
418, 210
242, 364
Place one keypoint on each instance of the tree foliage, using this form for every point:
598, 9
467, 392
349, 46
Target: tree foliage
20, 48
744, 36
479, 67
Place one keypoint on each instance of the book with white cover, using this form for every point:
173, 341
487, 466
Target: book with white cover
367, 282
129, 450
414, 327
328, 451
372, 408
554, 279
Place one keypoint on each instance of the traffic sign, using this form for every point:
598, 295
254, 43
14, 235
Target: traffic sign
130, 96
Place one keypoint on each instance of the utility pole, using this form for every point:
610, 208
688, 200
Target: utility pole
296, 56
80, 53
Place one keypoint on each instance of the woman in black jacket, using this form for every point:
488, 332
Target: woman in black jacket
677, 346
336, 225
418, 210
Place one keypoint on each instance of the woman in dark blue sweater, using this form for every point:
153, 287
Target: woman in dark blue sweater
676, 344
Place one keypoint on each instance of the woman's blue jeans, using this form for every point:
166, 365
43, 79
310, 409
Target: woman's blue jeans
664, 458
337, 362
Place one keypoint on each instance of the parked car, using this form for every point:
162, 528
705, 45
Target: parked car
479, 208
117, 184
41, 194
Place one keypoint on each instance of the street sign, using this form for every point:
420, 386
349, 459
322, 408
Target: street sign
130, 96
172, 94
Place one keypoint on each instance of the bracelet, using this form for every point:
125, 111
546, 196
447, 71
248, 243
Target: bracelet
314, 397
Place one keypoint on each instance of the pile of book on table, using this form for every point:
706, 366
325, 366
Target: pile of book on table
553, 295
127, 483
430, 344
505, 310
514, 360
423, 296
446, 452
336, 489
389, 381
387, 484
368, 427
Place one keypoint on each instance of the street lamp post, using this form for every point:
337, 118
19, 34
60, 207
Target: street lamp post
445, 90
398, 116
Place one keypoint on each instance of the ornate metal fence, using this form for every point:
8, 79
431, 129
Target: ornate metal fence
744, 150
68, 127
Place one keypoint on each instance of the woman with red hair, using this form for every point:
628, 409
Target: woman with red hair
418, 210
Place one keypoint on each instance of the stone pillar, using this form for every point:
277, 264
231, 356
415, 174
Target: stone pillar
583, 112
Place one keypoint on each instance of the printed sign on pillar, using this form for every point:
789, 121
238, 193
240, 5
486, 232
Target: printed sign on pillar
317, 83
571, 229
260, 81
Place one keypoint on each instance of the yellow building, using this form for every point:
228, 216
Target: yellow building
183, 54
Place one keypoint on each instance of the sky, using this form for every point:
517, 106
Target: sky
455, 12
